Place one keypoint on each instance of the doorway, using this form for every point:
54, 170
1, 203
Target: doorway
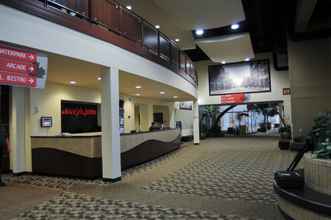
4, 121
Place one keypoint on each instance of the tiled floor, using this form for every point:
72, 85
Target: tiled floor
229, 179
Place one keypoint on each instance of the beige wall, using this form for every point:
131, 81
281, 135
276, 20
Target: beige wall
310, 76
47, 102
279, 80
186, 117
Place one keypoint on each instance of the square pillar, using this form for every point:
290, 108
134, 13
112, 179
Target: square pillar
20, 139
111, 146
196, 129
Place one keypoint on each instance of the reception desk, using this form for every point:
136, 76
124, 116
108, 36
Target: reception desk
81, 155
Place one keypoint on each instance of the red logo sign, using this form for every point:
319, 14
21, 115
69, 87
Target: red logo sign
79, 112
17, 67
233, 98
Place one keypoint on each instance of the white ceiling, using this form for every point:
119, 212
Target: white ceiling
178, 18
232, 48
62, 70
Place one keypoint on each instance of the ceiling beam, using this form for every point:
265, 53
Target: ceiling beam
305, 9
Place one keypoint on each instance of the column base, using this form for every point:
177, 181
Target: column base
21, 173
112, 180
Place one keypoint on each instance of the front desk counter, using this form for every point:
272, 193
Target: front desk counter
80, 155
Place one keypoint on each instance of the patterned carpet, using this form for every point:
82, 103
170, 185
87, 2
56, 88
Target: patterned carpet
227, 171
231, 175
77, 206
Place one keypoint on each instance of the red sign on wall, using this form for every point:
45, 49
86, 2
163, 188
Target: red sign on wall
17, 54
18, 68
79, 112
232, 98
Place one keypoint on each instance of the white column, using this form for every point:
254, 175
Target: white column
196, 130
111, 146
172, 115
20, 139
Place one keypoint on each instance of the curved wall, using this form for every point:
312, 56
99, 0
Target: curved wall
23, 29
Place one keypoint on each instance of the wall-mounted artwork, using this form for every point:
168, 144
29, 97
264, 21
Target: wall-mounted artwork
243, 77
186, 105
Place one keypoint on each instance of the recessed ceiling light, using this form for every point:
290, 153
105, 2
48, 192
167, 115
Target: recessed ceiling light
129, 7
177, 39
175, 97
199, 32
157, 26
138, 87
99, 78
247, 59
138, 94
72, 82
223, 62
235, 26
162, 93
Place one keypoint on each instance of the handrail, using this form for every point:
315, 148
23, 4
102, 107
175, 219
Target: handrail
109, 17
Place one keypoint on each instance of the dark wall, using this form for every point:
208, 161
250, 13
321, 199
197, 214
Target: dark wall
79, 117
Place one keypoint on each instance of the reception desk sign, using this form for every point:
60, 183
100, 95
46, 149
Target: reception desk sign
22, 68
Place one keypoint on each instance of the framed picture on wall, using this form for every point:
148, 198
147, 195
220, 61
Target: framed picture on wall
186, 105
242, 77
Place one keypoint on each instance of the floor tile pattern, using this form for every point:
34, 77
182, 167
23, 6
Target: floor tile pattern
78, 206
232, 175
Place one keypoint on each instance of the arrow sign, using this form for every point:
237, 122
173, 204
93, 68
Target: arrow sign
16, 54
9, 78
17, 66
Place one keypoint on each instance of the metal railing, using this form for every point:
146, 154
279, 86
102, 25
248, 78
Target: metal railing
114, 17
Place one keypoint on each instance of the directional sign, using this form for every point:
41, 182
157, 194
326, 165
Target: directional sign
17, 66
16, 54
17, 79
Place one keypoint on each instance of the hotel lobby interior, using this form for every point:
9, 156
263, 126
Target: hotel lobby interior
154, 109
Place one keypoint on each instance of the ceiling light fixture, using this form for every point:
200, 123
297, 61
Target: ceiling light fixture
162, 93
199, 32
138, 87
235, 26
175, 97
177, 39
72, 82
247, 59
138, 94
223, 62
157, 26
129, 7
99, 78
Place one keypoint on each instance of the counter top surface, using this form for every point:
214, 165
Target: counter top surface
99, 134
